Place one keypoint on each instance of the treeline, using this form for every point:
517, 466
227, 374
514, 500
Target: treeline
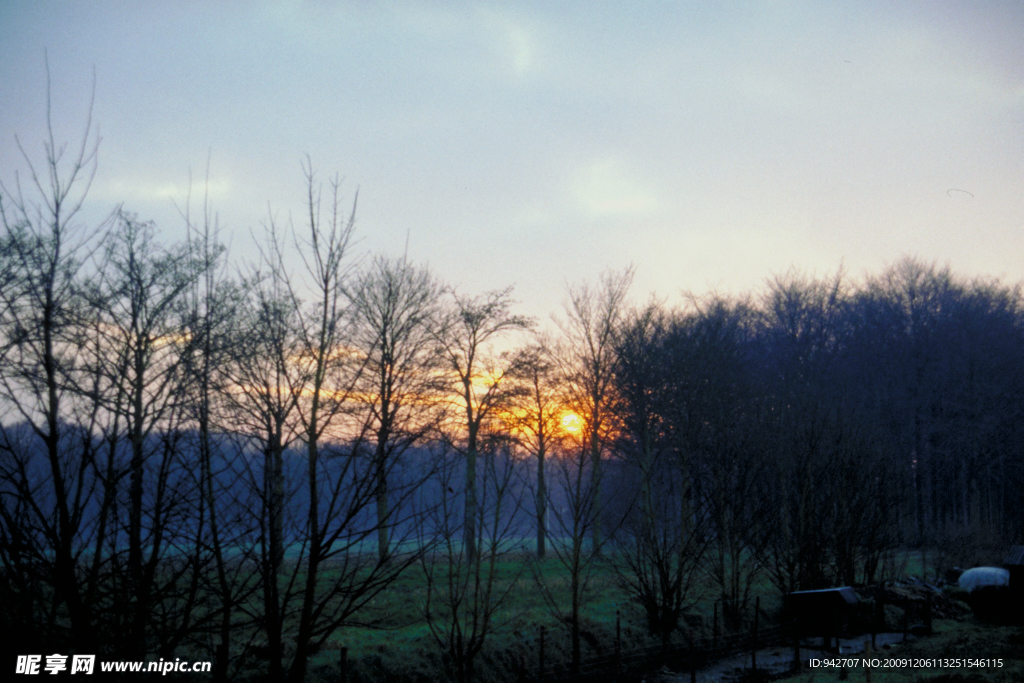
823, 424
235, 459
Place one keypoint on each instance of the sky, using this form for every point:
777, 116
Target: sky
539, 144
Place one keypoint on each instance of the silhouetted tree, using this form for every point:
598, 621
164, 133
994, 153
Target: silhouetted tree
467, 330
587, 358
533, 414
465, 591
396, 309
50, 483
662, 542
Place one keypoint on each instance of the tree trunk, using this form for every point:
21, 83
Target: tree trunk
383, 511
274, 485
542, 509
381, 488
470, 518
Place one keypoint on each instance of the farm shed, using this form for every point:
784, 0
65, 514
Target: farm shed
822, 612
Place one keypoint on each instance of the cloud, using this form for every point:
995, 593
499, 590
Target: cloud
515, 42
607, 188
522, 50
152, 189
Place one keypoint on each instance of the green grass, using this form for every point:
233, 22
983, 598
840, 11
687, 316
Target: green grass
400, 646
405, 649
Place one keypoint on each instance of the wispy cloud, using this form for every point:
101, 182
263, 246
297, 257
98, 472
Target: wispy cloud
607, 187
151, 189
515, 43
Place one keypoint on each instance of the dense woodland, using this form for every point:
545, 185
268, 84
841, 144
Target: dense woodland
232, 460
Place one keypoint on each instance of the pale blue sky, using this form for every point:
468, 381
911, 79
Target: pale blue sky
539, 143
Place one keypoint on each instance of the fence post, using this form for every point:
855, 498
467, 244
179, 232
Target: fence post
344, 665
714, 631
796, 645
618, 643
928, 613
879, 620
753, 642
906, 618
830, 627
693, 662
867, 665
540, 669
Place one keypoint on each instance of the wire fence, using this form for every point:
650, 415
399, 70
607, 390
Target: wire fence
766, 625
678, 657
759, 627
723, 634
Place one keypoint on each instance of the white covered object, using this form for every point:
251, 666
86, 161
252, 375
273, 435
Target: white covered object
984, 576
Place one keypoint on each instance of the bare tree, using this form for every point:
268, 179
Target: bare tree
293, 385
262, 389
329, 382
42, 250
212, 314
662, 545
918, 297
465, 593
717, 409
800, 339
138, 300
395, 306
587, 358
465, 335
575, 484
533, 415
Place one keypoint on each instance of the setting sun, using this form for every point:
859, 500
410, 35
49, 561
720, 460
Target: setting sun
572, 423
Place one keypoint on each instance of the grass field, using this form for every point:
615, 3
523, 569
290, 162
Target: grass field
406, 650
400, 647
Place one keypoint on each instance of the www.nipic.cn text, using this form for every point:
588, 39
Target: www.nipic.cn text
86, 664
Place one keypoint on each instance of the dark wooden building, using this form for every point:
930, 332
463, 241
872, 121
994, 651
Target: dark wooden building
825, 612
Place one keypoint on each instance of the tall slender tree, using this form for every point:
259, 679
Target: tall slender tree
395, 309
587, 358
43, 247
534, 416
468, 329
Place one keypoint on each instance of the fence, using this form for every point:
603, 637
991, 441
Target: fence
626, 665
764, 628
